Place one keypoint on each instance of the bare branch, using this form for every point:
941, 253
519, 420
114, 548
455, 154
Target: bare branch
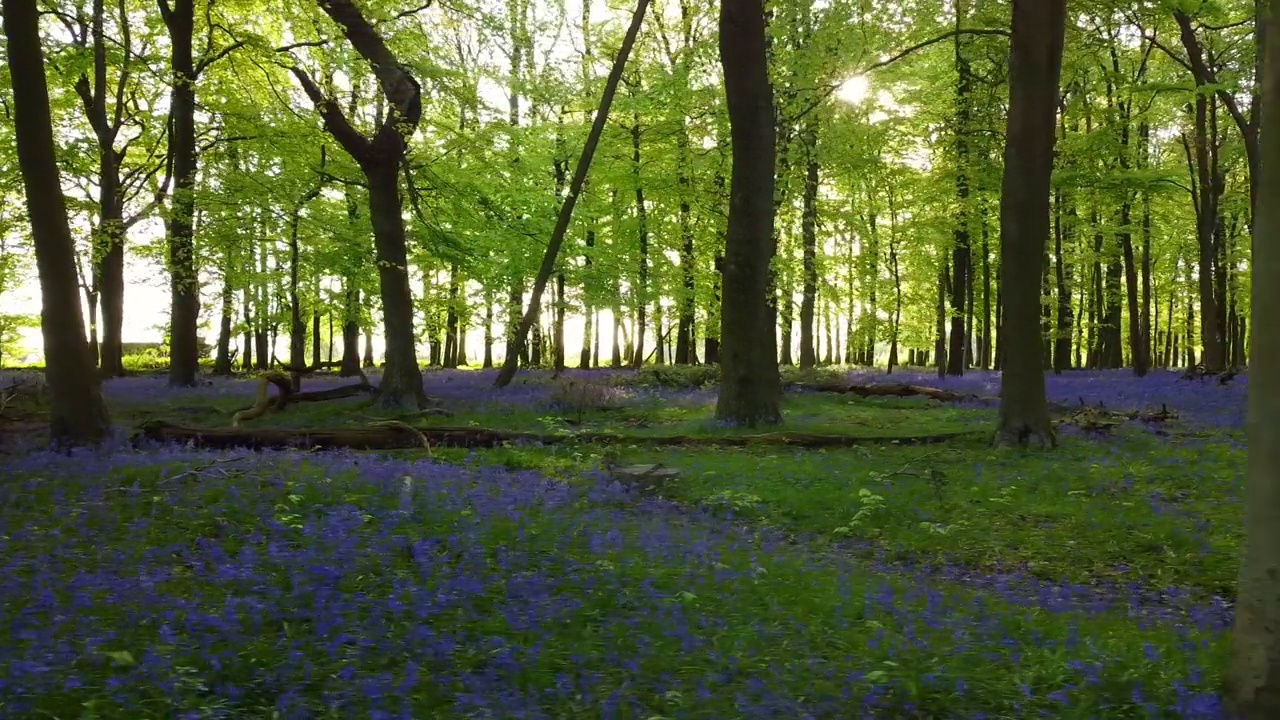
414, 11
934, 41
208, 60
295, 46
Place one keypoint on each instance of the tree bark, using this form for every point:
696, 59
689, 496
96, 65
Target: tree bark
809, 239
184, 283
960, 255
1062, 337
750, 386
1035, 65
77, 413
1253, 679
685, 350
641, 292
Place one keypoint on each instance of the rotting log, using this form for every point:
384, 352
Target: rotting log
338, 393
894, 390
403, 436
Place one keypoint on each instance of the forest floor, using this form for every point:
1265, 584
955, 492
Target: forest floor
882, 580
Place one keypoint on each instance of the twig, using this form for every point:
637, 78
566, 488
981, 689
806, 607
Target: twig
195, 471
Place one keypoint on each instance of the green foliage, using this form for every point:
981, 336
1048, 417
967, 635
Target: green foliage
11, 341
676, 377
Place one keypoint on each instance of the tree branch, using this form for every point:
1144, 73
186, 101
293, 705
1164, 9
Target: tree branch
828, 90
208, 60
356, 144
406, 13
398, 85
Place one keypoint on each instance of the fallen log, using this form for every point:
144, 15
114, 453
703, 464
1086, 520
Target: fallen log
894, 390
338, 393
402, 436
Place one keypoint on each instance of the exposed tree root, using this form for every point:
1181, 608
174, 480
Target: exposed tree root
386, 436
265, 403
285, 395
894, 390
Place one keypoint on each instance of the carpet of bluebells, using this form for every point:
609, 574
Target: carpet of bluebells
149, 582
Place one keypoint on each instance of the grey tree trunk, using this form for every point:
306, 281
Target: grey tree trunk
1253, 678
77, 414
750, 386
1035, 64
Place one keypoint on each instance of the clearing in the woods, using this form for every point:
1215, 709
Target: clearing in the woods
871, 558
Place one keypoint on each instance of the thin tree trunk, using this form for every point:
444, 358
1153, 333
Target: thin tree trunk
184, 316
511, 363
961, 251
809, 239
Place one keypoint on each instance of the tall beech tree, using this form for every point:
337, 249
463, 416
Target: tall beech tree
104, 103
380, 158
77, 414
1253, 681
750, 385
1035, 66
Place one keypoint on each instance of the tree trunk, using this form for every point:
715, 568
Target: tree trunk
222, 361
558, 325
940, 316
1206, 225
684, 333
1035, 64
184, 288
315, 336
711, 348
77, 413
1062, 338
246, 355
108, 258
401, 384
350, 366
511, 363
590, 330
809, 238
379, 158
986, 292
960, 255
750, 387
641, 292
487, 362
1253, 679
